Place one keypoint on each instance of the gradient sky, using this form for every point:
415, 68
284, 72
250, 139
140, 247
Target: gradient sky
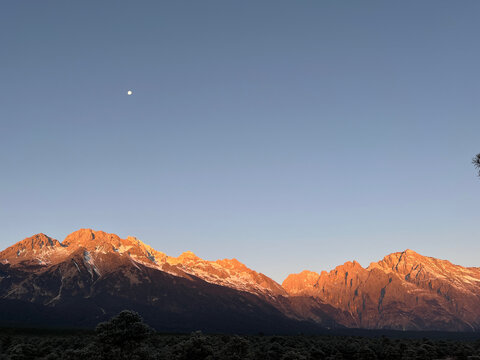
291, 135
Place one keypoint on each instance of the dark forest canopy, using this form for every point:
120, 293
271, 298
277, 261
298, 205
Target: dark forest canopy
126, 337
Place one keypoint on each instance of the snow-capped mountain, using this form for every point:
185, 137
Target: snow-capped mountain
92, 274
41, 251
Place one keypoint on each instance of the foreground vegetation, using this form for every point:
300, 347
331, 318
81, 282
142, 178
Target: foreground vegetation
127, 337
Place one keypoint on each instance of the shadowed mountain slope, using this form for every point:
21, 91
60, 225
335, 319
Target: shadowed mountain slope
92, 275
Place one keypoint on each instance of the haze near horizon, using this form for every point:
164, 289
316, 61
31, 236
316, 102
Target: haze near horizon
288, 136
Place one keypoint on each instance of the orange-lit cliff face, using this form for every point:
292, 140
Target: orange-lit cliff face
92, 275
37, 247
402, 291
102, 253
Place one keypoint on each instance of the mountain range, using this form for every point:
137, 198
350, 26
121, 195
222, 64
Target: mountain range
92, 275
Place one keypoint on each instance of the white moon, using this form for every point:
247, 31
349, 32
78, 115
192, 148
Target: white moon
129, 92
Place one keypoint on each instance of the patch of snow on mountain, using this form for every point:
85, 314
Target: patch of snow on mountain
89, 261
77, 266
150, 265
122, 249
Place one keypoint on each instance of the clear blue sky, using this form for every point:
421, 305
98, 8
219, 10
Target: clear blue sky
290, 135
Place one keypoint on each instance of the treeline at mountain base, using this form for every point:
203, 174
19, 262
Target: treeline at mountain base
126, 337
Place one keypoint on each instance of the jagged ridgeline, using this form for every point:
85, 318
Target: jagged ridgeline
92, 275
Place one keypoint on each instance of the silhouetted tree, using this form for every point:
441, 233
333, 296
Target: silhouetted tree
196, 347
476, 163
235, 348
123, 335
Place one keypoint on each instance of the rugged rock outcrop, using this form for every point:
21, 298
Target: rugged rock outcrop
405, 291
92, 274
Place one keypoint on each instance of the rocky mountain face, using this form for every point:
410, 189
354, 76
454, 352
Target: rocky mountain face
102, 253
405, 291
92, 275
